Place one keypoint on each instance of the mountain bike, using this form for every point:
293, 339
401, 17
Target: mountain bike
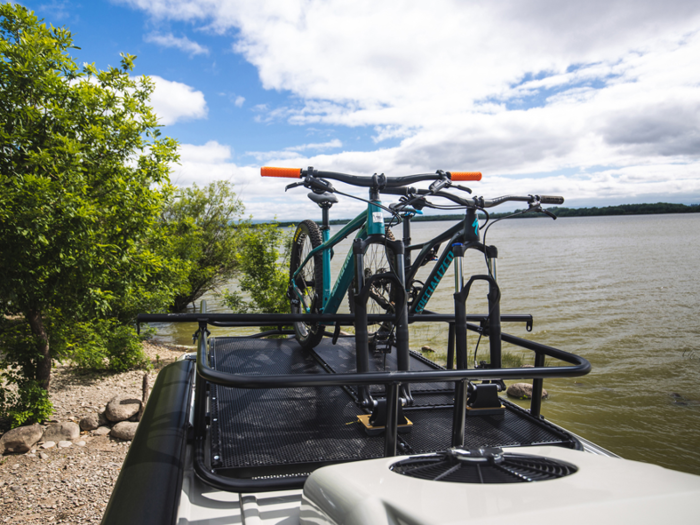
310, 289
465, 233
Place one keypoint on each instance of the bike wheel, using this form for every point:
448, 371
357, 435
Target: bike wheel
307, 289
383, 294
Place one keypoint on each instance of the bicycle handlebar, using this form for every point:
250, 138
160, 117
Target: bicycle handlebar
477, 202
379, 181
543, 199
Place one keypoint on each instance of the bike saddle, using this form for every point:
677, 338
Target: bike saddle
325, 199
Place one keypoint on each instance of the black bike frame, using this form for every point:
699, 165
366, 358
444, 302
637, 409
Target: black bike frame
465, 232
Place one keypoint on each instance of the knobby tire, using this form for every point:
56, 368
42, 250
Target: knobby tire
309, 282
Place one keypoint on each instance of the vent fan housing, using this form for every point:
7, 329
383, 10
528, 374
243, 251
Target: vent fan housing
486, 465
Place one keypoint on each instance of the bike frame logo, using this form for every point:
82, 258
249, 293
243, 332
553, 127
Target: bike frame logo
436, 280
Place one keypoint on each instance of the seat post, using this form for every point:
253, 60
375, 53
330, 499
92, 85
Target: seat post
325, 217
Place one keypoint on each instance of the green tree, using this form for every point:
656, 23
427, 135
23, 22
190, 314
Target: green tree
264, 270
204, 225
83, 178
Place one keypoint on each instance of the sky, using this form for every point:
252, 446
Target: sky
597, 101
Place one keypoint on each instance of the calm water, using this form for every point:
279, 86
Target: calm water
623, 292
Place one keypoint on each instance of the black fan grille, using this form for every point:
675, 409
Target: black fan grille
508, 468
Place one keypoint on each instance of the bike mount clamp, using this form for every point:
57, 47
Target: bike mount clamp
375, 423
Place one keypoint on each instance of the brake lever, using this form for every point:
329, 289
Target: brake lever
538, 207
463, 188
293, 185
549, 213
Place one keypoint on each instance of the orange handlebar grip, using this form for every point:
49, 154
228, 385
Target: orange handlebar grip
289, 173
465, 175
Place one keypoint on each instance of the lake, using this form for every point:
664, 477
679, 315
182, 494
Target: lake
623, 292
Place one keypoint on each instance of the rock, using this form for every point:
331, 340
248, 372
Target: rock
124, 430
81, 443
426, 349
102, 431
121, 408
48, 444
523, 391
62, 432
20, 439
681, 400
64, 444
90, 422
102, 419
43, 455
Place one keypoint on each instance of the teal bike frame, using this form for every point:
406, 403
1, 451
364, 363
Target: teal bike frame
368, 223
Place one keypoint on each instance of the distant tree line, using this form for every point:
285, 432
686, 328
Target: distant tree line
622, 209
626, 209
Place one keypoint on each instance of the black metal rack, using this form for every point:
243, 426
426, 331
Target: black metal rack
443, 417
267, 412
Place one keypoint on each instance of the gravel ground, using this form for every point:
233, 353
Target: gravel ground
73, 485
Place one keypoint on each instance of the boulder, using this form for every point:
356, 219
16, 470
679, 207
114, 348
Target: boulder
62, 432
523, 391
102, 431
20, 439
90, 422
121, 408
124, 430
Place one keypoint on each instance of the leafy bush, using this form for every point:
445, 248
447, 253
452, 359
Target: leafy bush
22, 400
263, 261
106, 345
25, 404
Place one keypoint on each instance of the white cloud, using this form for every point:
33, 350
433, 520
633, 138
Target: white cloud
181, 43
335, 143
239, 101
175, 101
210, 153
293, 152
511, 88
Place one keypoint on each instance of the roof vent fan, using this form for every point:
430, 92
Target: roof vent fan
484, 465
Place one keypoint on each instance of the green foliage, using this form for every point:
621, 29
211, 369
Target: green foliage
84, 174
28, 403
22, 400
106, 344
264, 270
204, 226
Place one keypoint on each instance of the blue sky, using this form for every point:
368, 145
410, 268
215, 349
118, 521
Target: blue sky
598, 101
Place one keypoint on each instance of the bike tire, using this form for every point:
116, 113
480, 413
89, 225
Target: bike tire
382, 300
309, 281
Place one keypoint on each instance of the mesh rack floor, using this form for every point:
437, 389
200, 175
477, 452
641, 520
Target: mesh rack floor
258, 432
